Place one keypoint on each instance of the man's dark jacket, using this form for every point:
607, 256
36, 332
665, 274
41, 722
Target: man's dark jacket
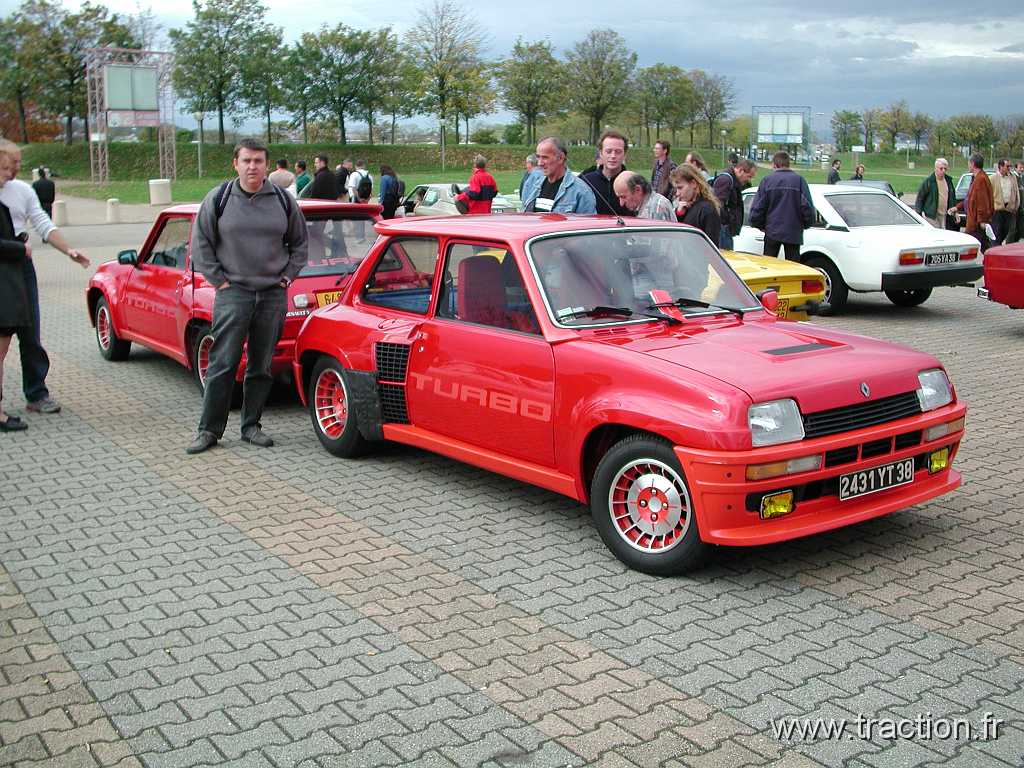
324, 186
727, 190
927, 202
782, 207
46, 191
604, 193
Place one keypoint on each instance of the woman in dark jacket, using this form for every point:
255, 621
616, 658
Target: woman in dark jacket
14, 306
696, 204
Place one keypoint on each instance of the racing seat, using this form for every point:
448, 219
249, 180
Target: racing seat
481, 292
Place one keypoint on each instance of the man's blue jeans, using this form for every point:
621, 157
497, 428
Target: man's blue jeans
239, 313
725, 240
35, 363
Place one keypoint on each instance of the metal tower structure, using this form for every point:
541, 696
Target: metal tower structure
102, 117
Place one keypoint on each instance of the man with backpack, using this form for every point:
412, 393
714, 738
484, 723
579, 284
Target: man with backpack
728, 187
360, 190
250, 244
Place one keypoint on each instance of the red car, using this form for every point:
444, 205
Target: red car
153, 297
626, 366
1004, 275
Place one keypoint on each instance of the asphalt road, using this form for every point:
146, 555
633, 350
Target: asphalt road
279, 607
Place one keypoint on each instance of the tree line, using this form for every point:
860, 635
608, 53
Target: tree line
887, 127
231, 62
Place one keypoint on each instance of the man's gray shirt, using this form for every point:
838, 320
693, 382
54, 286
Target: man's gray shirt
254, 244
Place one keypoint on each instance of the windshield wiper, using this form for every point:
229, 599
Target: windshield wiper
683, 303
623, 311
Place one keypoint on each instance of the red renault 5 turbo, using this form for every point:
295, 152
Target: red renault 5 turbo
624, 365
153, 297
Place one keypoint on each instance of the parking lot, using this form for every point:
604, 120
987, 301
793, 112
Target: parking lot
279, 607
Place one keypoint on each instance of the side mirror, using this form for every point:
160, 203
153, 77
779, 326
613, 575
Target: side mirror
128, 257
769, 300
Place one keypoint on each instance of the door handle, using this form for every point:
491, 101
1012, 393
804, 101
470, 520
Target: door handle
760, 238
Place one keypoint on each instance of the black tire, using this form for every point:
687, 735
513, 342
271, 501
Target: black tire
202, 340
836, 290
909, 298
111, 347
647, 467
330, 410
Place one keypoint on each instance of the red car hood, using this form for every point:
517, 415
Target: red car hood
820, 369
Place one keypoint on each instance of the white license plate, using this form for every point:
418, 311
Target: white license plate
941, 258
876, 479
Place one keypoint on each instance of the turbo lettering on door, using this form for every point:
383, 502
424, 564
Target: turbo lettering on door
485, 398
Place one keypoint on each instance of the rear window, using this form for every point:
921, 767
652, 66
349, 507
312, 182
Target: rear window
337, 244
859, 210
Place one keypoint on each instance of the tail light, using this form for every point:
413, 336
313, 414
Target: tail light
812, 286
908, 258
301, 301
970, 253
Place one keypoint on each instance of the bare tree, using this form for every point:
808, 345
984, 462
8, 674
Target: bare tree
447, 40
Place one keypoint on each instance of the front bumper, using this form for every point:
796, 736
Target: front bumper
722, 496
931, 277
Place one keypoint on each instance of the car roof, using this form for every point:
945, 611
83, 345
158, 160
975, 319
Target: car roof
307, 206
841, 189
508, 226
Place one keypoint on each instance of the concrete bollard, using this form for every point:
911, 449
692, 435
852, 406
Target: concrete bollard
60, 213
159, 191
113, 211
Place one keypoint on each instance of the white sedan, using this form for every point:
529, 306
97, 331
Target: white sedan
866, 240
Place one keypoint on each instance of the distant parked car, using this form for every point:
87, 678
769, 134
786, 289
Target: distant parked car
439, 200
1004, 275
865, 239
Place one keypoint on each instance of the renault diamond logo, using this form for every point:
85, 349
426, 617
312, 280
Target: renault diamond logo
865, 389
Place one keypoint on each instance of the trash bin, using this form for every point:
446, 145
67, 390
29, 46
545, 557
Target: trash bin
60, 213
159, 191
113, 211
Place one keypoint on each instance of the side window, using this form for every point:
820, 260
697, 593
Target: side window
748, 202
483, 285
430, 197
403, 275
171, 246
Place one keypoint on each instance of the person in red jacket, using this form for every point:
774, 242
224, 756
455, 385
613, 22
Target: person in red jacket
481, 190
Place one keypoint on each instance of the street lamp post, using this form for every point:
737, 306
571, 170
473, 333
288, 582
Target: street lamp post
199, 146
723, 148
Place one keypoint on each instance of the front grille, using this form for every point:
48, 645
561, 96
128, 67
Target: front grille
392, 361
392, 403
851, 417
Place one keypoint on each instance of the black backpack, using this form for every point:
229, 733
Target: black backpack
399, 188
365, 187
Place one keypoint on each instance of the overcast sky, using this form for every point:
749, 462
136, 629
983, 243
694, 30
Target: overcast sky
828, 55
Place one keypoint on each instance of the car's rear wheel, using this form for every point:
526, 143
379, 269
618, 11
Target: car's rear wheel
836, 290
642, 508
110, 346
330, 410
202, 345
909, 298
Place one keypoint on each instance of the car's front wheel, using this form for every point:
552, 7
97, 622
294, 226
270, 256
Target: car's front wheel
909, 298
111, 347
836, 290
642, 508
330, 409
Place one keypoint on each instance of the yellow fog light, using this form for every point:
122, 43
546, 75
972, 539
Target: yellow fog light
776, 505
941, 430
938, 461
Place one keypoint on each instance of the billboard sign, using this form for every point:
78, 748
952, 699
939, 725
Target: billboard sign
131, 88
780, 128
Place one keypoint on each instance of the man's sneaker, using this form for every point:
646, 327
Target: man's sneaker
204, 441
259, 437
46, 405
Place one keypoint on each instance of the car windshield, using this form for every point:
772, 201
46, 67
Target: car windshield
623, 273
337, 243
871, 211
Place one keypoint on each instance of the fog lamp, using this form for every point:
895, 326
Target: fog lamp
941, 430
938, 461
776, 505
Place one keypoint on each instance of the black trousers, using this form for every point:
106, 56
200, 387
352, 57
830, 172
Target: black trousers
35, 363
771, 248
1004, 225
240, 313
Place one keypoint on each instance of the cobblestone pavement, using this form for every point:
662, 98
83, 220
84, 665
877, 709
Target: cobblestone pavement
280, 607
